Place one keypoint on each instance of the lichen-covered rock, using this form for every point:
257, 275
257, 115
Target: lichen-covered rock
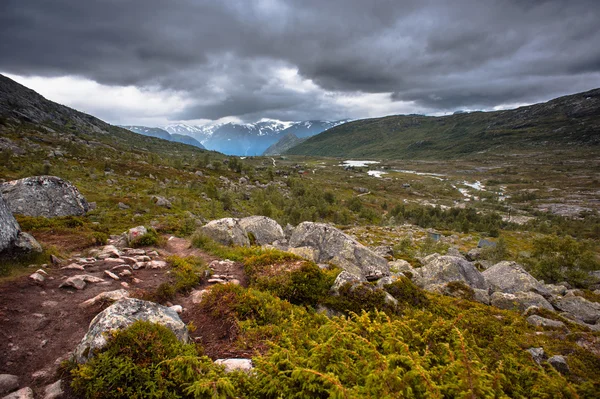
519, 301
136, 232
579, 308
307, 253
9, 228
263, 229
227, 231
8, 383
121, 315
439, 269
540, 321
230, 365
25, 243
346, 277
559, 363
47, 196
340, 249
537, 354
510, 277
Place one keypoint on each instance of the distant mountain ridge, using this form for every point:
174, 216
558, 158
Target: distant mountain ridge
571, 121
248, 138
163, 134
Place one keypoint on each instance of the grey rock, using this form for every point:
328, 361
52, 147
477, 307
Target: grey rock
384, 250
519, 301
338, 248
538, 354
559, 363
288, 231
8, 383
136, 232
556, 289
79, 281
54, 391
24, 393
47, 196
540, 321
162, 201
25, 243
346, 277
123, 206
400, 266
9, 228
382, 282
453, 251
307, 253
474, 254
235, 365
481, 296
264, 229
38, 277
227, 231
510, 277
439, 269
580, 308
121, 315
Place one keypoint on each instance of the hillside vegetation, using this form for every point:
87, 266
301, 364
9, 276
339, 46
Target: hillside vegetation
566, 122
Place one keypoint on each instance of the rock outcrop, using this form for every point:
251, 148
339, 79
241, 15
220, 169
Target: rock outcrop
47, 196
510, 277
263, 229
12, 240
9, 228
440, 269
339, 248
579, 308
227, 231
121, 315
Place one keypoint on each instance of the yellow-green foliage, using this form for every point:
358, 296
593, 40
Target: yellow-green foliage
146, 240
288, 277
147, 361
187, 273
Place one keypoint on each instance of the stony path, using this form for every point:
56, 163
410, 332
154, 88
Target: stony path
42, 322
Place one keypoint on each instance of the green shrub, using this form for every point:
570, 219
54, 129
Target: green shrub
146, 240
146, 360
356, 298
407, 293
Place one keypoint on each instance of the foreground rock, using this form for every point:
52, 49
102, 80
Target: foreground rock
263, 229
332, 245
12, 240
440, 269
235, 364
8, 383
25, 393
519, 301
47, 196
511, 278
227, 231
122, 314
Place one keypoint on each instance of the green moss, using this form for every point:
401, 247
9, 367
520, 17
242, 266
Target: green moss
149, 239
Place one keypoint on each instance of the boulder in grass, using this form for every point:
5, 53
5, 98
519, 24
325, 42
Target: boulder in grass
121, 315
438, 269
264, 230
227, 231
510, 277
47, 196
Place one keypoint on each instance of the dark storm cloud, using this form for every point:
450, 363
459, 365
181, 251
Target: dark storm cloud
442, 55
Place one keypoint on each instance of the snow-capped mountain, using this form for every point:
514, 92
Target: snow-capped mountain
165, 135
248, 138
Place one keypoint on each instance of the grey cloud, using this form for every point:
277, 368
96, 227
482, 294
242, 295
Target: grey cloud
441, 55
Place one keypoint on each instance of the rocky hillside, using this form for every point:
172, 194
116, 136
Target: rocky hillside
25, 113
569, 122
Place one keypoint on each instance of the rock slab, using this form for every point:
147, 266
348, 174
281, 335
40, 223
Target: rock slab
121, 315
47, 196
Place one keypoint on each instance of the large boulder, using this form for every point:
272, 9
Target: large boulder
9, 228
519, 301
121, 315
47, 196
339, 248
264, 229
579, 308
227, 231
440, 269
510, 277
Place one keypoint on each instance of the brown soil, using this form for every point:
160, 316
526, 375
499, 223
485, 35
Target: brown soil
42, 323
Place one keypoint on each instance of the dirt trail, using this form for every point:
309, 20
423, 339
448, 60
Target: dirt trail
40, 324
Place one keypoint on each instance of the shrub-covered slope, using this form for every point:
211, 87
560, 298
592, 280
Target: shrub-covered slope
566, 122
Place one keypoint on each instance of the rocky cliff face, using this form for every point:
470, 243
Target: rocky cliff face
9, 228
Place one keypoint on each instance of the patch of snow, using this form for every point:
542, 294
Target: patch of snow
477, 185
358, 164
413, 172
376, 173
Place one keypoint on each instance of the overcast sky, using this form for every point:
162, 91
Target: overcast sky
155, 61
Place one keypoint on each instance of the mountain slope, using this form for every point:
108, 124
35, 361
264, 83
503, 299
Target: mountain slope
285, 143
569, 121
25, 114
